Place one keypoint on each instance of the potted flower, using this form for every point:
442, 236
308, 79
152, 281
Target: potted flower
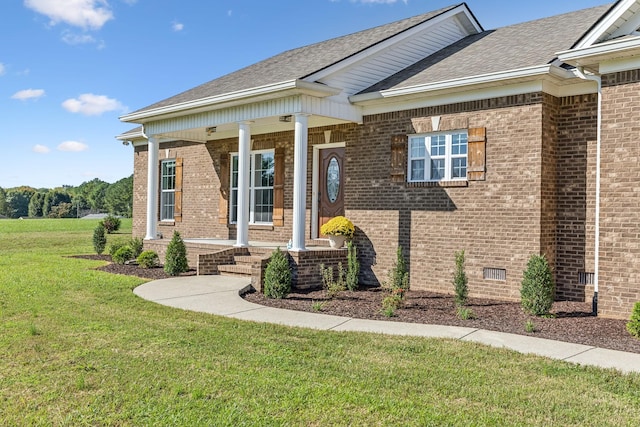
338, 229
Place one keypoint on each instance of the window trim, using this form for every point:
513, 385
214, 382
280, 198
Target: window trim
164, 191
448, 156
252, 187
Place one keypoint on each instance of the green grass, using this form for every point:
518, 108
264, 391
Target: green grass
78, 348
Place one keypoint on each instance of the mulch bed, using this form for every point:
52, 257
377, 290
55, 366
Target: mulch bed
572, 321
132, 269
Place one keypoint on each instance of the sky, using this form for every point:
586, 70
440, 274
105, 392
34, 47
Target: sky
70, 68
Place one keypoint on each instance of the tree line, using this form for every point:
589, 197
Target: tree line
95, 196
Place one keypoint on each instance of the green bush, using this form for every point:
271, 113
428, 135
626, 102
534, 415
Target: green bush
114, 246
99, 239
333, 286
277, 277
176, 259
353, 266
122, 255
399, 276
633, 325
460, 280
537, 289
137, 244
148, 259
111, 223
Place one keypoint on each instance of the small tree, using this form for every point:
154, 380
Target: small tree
111, 223
633, 325
277, 276
353, 266
399, 276
460, 280
176, 258
537, 289
99, 239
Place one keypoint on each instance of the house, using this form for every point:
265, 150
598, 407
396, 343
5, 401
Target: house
430, 133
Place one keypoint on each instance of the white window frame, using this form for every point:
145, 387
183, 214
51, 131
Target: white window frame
165, 192
252, 188
448, 156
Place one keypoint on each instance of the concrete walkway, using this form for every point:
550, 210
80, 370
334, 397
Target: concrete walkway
220, 295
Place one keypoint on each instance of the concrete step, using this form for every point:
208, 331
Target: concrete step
248, 259
232, 269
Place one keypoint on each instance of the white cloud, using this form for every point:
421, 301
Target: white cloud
40, 149
2, 68
73, 146
26, 94
177, 26
92, 105
71, 38
87, 14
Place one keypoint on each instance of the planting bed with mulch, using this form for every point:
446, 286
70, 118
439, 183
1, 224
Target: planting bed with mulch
572, 321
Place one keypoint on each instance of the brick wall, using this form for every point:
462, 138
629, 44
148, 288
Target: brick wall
620, 195
577, 129
497, 222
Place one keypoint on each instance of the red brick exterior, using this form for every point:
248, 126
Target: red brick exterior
538, 195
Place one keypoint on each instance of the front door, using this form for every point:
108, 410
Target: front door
330, 184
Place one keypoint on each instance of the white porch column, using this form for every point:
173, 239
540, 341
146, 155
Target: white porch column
152, 188
300, 182
244, 149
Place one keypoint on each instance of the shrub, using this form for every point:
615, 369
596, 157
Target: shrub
111, 223
137, 244
277, 276
399, 276
122, 255
353, 267
460, 280
633, 325
537, 289
333, 287
465, 313
148, 259
99, 239
530, 327
176, 259
114, 246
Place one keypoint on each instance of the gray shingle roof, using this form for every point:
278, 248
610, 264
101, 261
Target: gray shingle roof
508, 48
297, 63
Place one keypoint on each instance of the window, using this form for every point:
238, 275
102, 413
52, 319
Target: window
261, 176
167, 190
438, 157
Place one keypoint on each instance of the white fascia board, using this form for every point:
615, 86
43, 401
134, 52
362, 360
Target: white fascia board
459, 84
130, 136
394, 40
596, 57
605, 24
299, 86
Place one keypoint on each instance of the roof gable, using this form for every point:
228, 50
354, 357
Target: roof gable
622, 19
519, 46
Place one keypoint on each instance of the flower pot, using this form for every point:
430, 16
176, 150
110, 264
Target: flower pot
336, 241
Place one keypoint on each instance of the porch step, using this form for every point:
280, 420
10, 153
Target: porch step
248, 259
235, 269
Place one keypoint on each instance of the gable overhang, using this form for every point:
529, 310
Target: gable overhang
233, 99
608, 57
623, 18
547, 78
461, 13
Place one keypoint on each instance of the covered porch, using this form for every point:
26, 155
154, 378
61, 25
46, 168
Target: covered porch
297, 107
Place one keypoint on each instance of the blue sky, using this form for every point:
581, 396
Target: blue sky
70, 68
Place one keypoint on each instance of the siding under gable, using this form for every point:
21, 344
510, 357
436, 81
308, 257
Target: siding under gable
396, 57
